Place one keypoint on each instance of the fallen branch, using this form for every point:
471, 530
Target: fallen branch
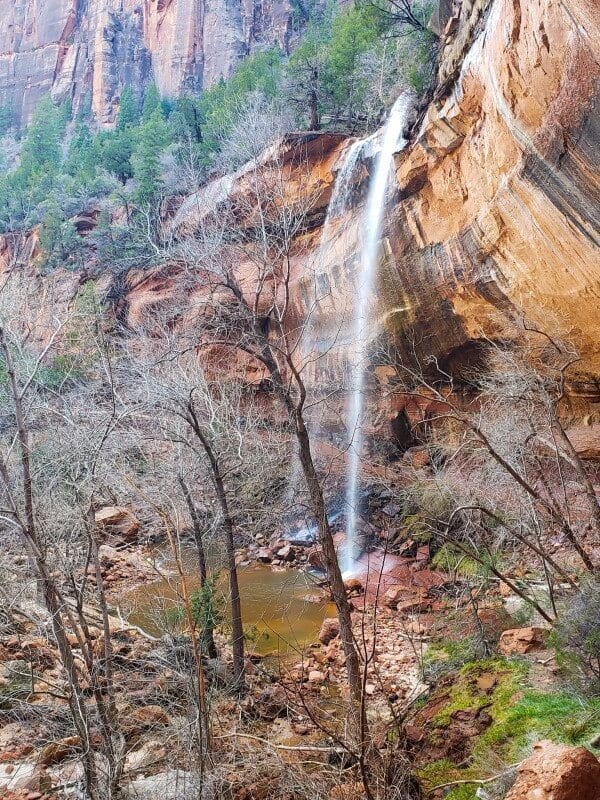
480, 781
305, 748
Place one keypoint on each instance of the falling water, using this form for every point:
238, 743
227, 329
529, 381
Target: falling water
391, 142
310, 337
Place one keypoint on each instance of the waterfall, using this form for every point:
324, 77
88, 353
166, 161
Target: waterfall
309, 339
391, 142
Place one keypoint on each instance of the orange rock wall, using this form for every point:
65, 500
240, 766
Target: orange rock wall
74, 47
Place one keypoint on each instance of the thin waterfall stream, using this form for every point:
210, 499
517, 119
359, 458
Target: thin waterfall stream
313, 341
392, 142
310, 342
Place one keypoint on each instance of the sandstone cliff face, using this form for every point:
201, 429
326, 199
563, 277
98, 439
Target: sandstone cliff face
496, 216
76, 47
496, 208
498, 213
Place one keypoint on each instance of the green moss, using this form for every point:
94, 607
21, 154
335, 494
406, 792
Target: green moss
520, 717
561, 717
442, 772
466, 695
451, 559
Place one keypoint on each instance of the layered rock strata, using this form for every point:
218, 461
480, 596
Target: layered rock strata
89, 50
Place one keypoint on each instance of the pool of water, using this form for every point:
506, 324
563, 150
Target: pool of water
282, 611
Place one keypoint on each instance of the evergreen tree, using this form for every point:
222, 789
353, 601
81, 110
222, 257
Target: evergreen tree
185, 120
151, 103
305, 71
152, 139
58, 237
114, 149
41, 153
81, 158
354, 30
128, 116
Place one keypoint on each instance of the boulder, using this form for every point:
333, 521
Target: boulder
315, 558
519, 641
118, 521
286, 553
557, 772
316, 676
394, 595
329, 630
56, 752
150, 716
353, 586
272, 703
264, 556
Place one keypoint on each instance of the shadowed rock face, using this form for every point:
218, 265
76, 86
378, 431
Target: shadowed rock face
75, 47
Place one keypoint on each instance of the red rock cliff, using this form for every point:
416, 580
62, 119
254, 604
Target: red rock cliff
75, 47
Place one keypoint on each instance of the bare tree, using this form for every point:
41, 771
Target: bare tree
243, 258
48, 498
504, 472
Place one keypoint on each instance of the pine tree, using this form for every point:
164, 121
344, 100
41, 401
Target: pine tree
40, 154
128, 116
81, 157
114, 150
151, 103
152, 140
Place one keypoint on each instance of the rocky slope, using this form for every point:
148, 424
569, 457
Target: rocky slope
74, 48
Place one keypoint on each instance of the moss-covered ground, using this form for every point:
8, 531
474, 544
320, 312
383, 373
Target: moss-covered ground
521, 715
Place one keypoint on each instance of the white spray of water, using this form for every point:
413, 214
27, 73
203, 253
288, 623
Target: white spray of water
391, 142
310, 337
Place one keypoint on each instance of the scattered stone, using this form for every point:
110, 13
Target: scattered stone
151, 715
287, 553
417, 605
56, 752
271, 703
487, 681
316, 676
264, 556
391, 510
519, 641
330, 629
414, 734
393, 596
353, 586
557, 772
149, 754
119, 521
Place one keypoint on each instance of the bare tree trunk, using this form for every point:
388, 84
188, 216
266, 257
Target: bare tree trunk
208, 640
115, 750
334, 574
588, 490
237, 629
315, 122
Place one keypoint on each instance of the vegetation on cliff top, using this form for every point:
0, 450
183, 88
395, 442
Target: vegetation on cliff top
341, 76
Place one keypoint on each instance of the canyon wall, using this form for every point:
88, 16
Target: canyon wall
495, 218
91, 48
